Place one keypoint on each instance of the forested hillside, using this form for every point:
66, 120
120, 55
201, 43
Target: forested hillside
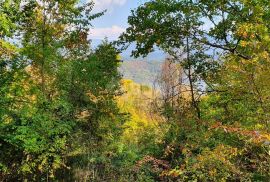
67, 114
143, 72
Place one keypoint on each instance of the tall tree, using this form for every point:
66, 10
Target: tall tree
199, 29
171, 25
225, 45
38, 119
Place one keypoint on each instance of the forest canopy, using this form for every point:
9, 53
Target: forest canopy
68, 114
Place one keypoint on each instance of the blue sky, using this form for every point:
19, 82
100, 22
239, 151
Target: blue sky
114, 22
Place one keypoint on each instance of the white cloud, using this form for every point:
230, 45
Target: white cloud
112, 33
101, 5
109, 2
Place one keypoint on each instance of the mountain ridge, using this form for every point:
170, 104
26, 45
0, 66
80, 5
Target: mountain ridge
141, 71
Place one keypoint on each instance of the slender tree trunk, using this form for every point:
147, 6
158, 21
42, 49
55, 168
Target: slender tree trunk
43, 41
191, 84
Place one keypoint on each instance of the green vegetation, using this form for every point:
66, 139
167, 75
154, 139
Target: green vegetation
66, 114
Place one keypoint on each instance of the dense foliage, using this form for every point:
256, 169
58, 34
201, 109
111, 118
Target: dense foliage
214, 88
67, 115
53, 87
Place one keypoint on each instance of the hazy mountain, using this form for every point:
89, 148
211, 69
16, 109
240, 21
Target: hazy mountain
142, 72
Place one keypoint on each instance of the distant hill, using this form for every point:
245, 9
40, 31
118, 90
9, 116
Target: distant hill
142, 72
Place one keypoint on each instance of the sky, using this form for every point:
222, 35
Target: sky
114, 22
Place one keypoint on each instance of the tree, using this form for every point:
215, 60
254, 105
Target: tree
199, 31
37, 119
173, 90
8, 17
54, 30
225, 46
171, 25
